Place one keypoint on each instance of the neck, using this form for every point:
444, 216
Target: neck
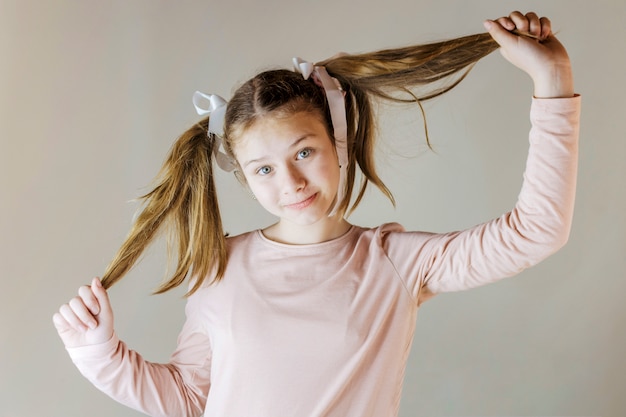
293, 234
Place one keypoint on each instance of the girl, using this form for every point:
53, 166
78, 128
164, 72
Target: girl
313, 316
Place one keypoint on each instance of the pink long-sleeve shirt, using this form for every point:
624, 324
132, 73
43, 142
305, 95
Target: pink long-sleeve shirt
325, 329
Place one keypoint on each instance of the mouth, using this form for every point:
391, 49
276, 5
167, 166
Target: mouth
302, 204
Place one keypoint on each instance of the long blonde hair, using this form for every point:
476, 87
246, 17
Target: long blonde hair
184, 199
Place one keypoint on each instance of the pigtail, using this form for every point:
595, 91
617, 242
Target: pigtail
431, 67
184, 202
405, 75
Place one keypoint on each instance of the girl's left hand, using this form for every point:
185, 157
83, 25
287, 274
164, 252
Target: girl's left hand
528, 43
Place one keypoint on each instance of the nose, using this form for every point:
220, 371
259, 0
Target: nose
293, 179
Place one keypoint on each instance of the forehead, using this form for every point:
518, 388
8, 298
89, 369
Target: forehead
276, 130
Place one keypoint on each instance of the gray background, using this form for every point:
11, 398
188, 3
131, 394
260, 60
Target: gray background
94, 93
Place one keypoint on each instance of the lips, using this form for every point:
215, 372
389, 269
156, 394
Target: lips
302, 204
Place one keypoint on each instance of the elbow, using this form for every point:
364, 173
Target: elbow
557, 242
559, 233
541, 235
560, 239
552, 239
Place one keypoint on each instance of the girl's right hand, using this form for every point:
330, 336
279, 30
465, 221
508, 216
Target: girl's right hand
87, 319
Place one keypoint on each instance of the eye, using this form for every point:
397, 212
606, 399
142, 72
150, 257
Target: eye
304, 153
264, 170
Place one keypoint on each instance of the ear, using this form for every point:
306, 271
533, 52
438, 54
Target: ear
242, 180
240, 177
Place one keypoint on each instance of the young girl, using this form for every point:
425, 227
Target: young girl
313, 316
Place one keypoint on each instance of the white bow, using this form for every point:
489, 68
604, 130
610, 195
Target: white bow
216, 108
303, 67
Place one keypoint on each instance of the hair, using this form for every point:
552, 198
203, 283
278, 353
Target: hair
184, 199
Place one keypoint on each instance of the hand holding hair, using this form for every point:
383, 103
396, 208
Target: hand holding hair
86, 319
528, 43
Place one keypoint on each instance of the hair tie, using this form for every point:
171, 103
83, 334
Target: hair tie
217, 110
336, 104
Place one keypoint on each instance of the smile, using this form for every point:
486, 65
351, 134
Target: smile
302, 204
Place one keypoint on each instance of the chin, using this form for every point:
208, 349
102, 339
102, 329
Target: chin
305, 221
307, 217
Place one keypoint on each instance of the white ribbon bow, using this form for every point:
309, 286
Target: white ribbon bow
303, 67
216, 108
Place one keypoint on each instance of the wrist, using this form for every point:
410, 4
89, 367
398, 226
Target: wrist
558, 82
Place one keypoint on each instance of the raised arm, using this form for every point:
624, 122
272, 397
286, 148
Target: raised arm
540, 222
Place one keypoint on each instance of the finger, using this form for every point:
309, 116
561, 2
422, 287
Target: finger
60, 323
509, 25
72, 319
521, 22
89, 299
506, 23
500, 33
82, 312
546, 27
534, 25
102, 296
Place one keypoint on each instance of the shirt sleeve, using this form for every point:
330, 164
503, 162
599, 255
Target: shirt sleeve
178, 388
538, 225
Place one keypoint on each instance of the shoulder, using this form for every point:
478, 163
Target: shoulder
381, 235
243, 239
395, 241
389, 228
379, 232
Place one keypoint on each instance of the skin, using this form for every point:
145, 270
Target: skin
540, 54
525, 40
291, 167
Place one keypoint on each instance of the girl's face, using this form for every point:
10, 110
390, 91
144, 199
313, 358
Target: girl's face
291, 167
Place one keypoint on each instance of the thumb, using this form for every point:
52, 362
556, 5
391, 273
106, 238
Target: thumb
502, 36
103, 299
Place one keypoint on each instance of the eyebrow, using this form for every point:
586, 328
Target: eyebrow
293, 145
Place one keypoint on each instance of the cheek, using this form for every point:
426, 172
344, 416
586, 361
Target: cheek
329, 169
262, 191
251, 185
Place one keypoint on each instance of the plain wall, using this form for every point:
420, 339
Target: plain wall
94, 93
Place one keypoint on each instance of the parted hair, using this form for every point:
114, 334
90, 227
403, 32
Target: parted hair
184, 199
